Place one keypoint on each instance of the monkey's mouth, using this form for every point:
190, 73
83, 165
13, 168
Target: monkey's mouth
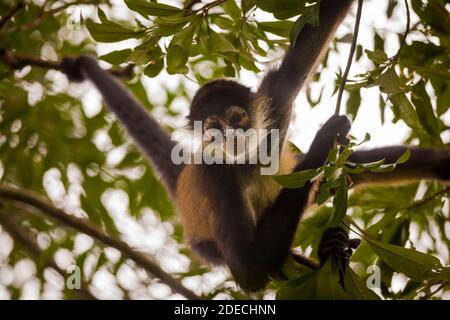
241, 148
234, 146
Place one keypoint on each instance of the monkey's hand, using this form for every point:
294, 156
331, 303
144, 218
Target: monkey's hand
336, 244
334, 130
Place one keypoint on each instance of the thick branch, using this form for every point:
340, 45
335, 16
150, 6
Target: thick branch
84, 226
16, 61
30, 245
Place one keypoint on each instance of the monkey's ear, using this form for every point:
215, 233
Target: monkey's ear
72, 68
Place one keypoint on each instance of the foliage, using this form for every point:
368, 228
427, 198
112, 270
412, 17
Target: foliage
55, 142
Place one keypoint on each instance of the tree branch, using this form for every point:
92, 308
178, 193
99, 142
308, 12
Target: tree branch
424, 201
350, 58
432, 293
17, 62
8, 16
405, 35
210, 5
84, 226
30, 245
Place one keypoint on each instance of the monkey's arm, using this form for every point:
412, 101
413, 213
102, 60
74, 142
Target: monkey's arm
147, 133
424, 163
282, 84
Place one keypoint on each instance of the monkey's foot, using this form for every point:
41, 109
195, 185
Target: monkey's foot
336, 243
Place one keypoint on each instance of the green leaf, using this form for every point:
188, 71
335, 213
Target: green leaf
153, 69
383, 197
378, 56
296, 179
339, 203
404, 110
427, 118
177, 58
353, 103
228, 71
184, 37
303, 288
309, 16
232, 9
115, 133
219, 42
369, 165
390, 83
110, 32
416, 265
146, 8
117, 57
282, 9
247, 5
328, 286
168, 29
356, 288
280, 28
404, 157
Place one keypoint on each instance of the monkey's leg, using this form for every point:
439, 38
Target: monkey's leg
424, 163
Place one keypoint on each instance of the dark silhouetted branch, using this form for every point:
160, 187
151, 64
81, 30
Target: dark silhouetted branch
16, 61
29, 244
84, 226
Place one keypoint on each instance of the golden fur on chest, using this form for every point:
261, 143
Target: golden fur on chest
195, 207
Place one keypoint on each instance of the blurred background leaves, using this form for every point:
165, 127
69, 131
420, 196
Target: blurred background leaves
57, 140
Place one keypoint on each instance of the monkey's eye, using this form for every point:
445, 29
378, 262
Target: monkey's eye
237, 117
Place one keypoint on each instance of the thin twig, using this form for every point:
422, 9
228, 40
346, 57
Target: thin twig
424, 201
405, 35
8, 16
432, 293
350, 57
15, 61
30, 245
210, 5
84, 226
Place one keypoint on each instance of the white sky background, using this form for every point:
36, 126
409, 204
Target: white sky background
152, 236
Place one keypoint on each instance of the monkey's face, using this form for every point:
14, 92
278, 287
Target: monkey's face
224, 110
226, 100
234, 117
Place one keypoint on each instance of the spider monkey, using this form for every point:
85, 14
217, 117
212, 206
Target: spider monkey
231, 214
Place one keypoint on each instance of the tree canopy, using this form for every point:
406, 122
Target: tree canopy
77, 196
